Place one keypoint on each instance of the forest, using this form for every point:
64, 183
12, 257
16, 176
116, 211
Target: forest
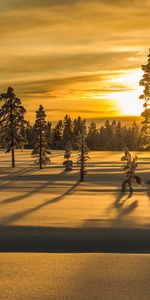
113, 136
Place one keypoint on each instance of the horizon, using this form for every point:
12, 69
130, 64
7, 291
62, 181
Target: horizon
125, 120
85, 60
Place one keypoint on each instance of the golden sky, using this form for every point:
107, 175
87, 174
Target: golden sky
75, 56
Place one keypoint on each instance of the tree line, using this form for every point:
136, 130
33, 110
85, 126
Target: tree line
110, 136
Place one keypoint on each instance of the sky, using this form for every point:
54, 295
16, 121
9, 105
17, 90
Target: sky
75, 57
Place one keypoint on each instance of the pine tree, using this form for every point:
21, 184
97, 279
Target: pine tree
134, 136
13, 123
108, 136
83, 150
102, 137
145, 82
113, 138
68, 162
57, 135
41, 150
77, 129
129, 167
49, 135
29, 135
119, 136
67, 131
92, 137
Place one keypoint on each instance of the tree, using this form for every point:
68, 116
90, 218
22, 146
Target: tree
29, 135
113, 138
77, 129
135, 136
49, 134
57, 135
83, 150
92, 137
12, 122
119, 136
41, 150
68, 162
130, 165
67, 131
145, 82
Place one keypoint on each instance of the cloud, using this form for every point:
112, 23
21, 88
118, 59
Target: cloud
54, 3
68, 51
72, 63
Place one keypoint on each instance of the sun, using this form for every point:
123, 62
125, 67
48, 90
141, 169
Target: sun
128, 99
128, 103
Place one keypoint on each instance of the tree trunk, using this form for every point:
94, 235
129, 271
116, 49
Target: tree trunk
81, 176
82, 164
40, 154
13, 157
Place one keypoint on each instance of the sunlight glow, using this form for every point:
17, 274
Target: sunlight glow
128, 99
128, 103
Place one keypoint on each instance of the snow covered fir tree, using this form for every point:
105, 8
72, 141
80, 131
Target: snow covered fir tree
68, 163
13, 123
129, 168
83, 151
145, 82
41, 150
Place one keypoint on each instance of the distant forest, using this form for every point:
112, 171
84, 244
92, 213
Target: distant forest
111, 136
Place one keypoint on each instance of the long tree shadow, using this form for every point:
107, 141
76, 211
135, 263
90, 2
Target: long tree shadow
121, 209
20, 215
118, 203
33, 191
127, 210
15, 175
25, 195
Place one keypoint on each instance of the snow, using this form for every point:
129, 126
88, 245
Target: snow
48, 199
54, 230
29, 196
74, 276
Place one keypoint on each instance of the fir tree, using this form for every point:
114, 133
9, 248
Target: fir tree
68, 162
57, 135
49, 135
113, 132
41, 150
135, 136
119, 136
129, 167
77, 129
13, 123
108, 136
29, 135
92, 137
83, 150
67, 131
145, 82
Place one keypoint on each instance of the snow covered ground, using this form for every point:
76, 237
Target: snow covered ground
39, 206
45, 276
64, 232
